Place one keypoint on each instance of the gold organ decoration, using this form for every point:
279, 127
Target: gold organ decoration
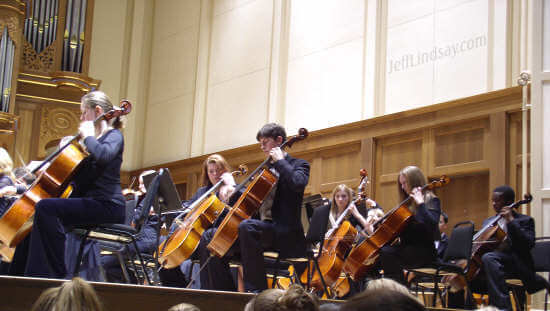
11, 21
57, 122
50, 70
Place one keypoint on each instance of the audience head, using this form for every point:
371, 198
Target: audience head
184, 307
77, 295
385, 296
329, 307
295, 298
387, 284
46, 300
266, 300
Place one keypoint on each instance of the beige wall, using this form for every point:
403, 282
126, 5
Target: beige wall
205, 75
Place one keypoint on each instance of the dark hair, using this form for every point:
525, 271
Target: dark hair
382, 299
271, 130
445, 217
295, 298
507, 193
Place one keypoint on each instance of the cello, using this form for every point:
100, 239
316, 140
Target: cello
53, 182
364, 255
338, 241
487, 239
202, 214
248, 203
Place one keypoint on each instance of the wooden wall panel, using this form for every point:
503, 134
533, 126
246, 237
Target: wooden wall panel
473, 140
459, 147
465, 198
394, 154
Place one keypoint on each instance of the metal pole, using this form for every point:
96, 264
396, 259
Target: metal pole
523, 80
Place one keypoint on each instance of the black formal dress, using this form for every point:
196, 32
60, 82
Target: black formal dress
415, 247
97, 198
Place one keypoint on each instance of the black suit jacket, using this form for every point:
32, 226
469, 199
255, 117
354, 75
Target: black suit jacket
287, 204
520, 240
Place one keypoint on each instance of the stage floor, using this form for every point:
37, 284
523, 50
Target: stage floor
19, 293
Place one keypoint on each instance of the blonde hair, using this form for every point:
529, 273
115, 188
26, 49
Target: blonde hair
184, 307
6, 164
46, 300
387, 284
341, 187
77, 295
415, 178
99, 98
213, 159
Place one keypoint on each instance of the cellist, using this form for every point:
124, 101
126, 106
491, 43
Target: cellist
279, 226
96, 198
511, 259
415, 246
342, 198
214, 169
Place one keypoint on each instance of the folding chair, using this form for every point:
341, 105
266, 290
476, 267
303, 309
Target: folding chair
456, 259
122, 234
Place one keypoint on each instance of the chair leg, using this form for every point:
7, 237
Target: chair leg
325, 288
546, 300
130, 259
141, 262
80, 253
437, 292
123, 268
276, 271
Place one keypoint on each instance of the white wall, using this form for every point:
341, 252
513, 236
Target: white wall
219, 69
436, 51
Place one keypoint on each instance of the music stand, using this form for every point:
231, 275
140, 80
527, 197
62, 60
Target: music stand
311, 202
166, 199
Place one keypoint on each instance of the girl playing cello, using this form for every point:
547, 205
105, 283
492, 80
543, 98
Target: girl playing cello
214, 169
416, 244
341, 199
97, 196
